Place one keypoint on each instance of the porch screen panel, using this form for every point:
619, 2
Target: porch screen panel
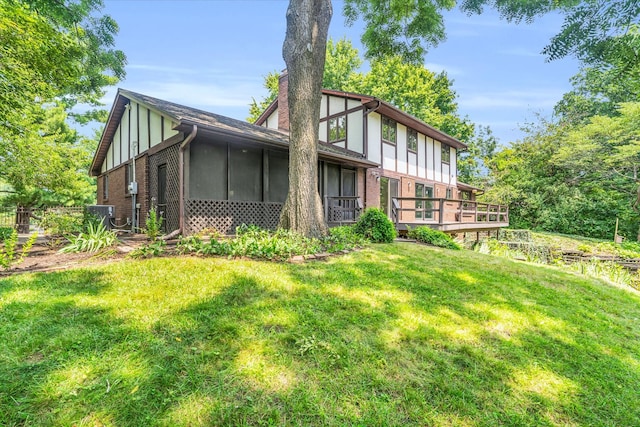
245, 174
348, 182
333, 180
208, 171
278, 176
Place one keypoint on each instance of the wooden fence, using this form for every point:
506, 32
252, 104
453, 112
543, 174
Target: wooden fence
25, 219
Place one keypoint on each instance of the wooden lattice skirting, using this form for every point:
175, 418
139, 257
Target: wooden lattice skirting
226, 215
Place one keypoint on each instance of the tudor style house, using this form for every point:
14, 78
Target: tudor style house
202, 170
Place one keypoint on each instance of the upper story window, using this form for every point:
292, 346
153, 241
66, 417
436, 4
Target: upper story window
105, 187
446, 153
389, 130
412, 140
338, 128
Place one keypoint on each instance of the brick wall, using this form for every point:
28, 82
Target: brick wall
372, 188
283, 101
118, 196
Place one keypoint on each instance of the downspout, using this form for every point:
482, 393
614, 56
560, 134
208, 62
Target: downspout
181, 181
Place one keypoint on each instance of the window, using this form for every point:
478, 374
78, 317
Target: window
424, 208
446, 153
338, 128
128, 176
105, 187
389, 130
412, 140
465, 195
449, 193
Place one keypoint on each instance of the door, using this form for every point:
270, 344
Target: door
388, 190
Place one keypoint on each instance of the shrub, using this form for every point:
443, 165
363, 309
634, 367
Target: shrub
433, 237
60, 223
375, 226
8, 252
153, 225
156, 248
5, 233
95, 238
343, 238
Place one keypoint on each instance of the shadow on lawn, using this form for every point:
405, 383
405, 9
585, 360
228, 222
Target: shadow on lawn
411, 340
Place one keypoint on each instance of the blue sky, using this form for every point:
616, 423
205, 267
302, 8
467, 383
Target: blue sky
214, 55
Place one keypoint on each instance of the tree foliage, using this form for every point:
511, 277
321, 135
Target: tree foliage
596, 32
54, 55
405, 28
573, 178
60, 49
47, 162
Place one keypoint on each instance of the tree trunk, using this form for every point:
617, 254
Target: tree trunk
304, 52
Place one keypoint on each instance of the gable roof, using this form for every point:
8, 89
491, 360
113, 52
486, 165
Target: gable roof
185, 117
385, 109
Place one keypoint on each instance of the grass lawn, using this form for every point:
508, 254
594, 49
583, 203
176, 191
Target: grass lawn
399, 334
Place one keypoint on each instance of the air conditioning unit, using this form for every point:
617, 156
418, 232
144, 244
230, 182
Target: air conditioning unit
105, 212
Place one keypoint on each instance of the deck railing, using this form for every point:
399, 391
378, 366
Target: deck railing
446, 211
342, 210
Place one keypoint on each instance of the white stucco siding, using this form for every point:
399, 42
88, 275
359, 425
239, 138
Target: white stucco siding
336, 105
168, 128
272, 120
401, 142
437, 160
109, 159
422, 150
323, 106
117, 148
323, 131
340, 144
355, 137
155, 128
389, 157
412, 164
144, 129
429, 159
445, 173
124, 136
374, 138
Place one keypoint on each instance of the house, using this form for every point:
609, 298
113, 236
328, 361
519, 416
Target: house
202, 170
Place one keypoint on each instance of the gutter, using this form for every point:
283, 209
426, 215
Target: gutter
181, 180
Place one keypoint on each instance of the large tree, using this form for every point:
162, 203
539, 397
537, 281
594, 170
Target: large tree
395, 26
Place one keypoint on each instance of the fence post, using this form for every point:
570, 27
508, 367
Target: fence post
441, 211
23, 218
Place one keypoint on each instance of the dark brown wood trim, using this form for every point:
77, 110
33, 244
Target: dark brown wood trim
164, 144
349, 111
138, 128
161, 128
129, 133
148, 129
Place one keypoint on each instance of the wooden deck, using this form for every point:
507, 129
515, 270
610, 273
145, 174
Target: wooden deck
448, 215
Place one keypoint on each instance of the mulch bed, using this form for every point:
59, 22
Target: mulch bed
45, 258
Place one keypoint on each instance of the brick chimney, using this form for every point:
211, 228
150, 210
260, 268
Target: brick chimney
283, 101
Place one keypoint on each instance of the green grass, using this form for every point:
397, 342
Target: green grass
588, 245
399, 334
